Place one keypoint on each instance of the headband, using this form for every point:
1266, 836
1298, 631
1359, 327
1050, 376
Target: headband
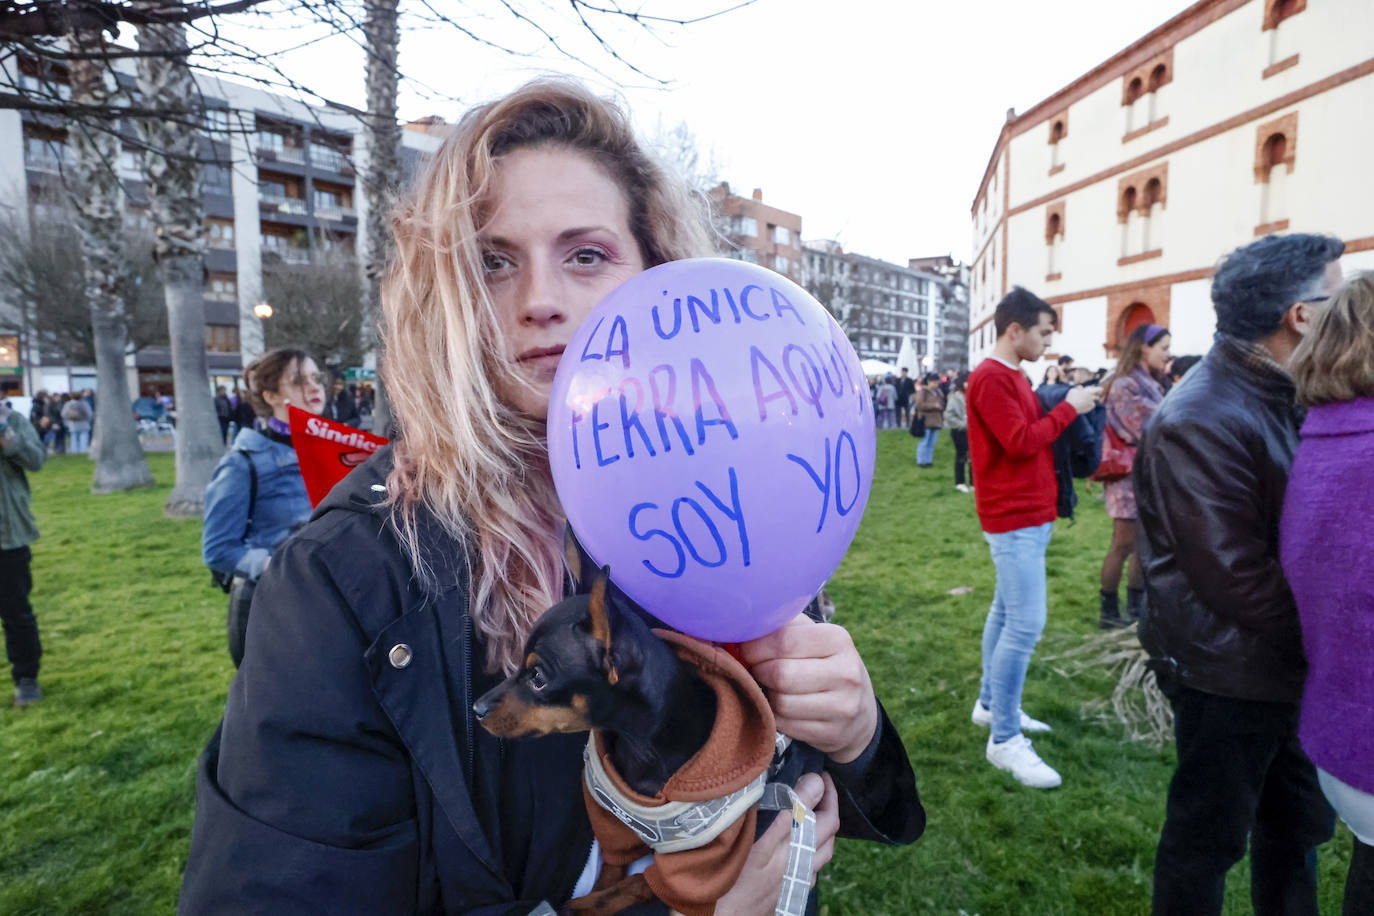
1153, 332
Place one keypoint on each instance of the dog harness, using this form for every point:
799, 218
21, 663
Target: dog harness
685, 825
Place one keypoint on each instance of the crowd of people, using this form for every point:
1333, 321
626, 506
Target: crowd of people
64, 420
1247, 569
348, 772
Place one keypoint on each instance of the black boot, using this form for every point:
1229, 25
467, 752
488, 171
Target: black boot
1111, 613
1135, 603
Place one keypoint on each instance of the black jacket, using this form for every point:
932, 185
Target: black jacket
340, 783
1210, 475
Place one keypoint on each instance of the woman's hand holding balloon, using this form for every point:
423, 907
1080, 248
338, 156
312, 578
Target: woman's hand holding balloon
817, 685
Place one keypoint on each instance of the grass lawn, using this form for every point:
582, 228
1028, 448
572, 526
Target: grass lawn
96, 782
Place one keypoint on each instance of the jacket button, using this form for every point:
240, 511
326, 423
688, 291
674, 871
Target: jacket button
400, 655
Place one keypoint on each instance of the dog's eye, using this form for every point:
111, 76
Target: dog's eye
536, 679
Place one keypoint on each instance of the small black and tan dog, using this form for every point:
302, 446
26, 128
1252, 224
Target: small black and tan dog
590, 665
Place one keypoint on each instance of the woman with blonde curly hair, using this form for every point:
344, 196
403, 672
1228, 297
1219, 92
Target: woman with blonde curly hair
349, 774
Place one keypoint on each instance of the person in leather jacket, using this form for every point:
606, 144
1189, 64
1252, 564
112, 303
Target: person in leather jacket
1221, 626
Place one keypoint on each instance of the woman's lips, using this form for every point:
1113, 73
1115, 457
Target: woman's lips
541, 354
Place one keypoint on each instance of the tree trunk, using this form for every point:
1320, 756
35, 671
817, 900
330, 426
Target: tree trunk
383, 134
172, 170
98, 197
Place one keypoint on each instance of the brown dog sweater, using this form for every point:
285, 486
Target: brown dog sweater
738, 751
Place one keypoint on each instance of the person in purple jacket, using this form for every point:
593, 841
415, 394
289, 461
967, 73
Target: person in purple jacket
1324, 544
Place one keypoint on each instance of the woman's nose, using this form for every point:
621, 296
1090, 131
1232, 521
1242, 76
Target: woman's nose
540, 297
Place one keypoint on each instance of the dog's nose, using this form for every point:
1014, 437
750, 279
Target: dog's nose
481, 708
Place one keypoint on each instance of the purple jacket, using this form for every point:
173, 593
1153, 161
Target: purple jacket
1325, 547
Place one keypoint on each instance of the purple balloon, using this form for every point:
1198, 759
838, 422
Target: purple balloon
712, 440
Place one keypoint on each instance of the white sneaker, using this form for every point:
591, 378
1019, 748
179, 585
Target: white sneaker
983, 716
963, 488
1018, 758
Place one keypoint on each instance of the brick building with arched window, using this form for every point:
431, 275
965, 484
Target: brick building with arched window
1184, 146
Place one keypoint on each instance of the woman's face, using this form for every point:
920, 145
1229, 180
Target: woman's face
300, 385
1156, 357
558, 240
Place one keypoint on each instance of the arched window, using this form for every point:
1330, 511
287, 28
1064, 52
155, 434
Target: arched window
1149, 211
1274, 185
1158, 77
1057, 132
1134, 91
1129, 217
1276, 13
1054, 232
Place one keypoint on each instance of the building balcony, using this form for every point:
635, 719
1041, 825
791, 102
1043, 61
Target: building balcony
293, 205
287, 254
322, 157
337, 214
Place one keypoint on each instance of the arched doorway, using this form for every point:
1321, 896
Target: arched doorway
1135, 315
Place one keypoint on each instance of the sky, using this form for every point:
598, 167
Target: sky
872, 119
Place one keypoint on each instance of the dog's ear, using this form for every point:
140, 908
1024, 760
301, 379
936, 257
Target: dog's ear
599, 611
573, 554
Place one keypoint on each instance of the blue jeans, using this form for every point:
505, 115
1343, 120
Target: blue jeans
925, 452
81, 441
1015, 622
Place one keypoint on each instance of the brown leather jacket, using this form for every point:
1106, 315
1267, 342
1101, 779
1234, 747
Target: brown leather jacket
1210, 476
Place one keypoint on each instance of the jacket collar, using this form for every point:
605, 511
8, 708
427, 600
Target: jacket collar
365, 490
1254, 362
1341, 418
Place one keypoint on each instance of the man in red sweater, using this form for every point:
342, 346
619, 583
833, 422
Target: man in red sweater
1010, 444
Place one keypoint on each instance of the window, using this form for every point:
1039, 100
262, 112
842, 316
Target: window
219, 233
1054, 237
217, 120
271, 141
1282, 47
1059, 129
215, 179
747, 255
1141, 198
746, 226
328, 200
781, 264
222, 338
43, 153
222, 288
1275, 156
269, 189
1142, 94
130, 164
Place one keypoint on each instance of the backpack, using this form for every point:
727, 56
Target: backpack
1078, 449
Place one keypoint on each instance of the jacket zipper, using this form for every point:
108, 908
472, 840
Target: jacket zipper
467, 690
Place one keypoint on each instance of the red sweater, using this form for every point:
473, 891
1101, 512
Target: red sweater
1009, 443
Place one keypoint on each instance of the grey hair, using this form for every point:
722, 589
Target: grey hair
1256, 285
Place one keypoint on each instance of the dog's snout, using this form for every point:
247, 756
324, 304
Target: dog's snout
482, 708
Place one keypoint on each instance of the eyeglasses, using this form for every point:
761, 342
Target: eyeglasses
1315, 300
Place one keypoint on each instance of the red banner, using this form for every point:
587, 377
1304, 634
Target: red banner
327, 450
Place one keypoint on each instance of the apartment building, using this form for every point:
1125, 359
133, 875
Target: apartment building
279, 185
880, 304
1115, 197
757, 232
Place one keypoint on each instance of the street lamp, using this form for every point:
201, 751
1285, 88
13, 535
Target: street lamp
263, 310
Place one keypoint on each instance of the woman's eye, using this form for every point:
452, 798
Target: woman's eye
588, 257
537, 681
492, 262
